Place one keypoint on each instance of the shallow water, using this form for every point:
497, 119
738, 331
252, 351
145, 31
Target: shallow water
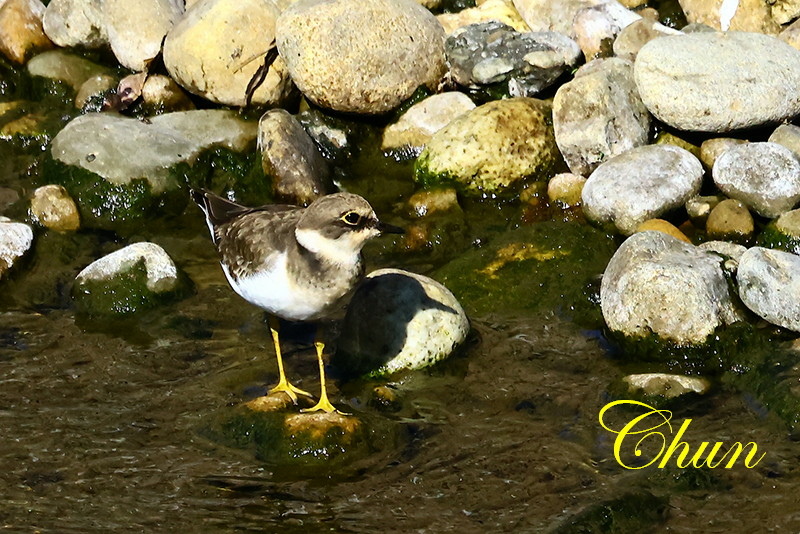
103, 432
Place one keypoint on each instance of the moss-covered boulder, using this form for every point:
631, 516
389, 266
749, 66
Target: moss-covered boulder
493, 149
399, 321
121, 170
301, 444
135, 278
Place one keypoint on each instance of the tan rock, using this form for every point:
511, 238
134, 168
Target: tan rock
730, 219
711, 149
665, 227
21, 29
742, 15
500, 10
416, 126
566, 188
53, 208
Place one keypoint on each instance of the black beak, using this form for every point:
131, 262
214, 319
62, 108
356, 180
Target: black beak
388, 228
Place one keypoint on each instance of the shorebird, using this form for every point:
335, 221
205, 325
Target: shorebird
298, 264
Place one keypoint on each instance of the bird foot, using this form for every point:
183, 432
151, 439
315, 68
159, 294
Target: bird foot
291, 391
324, 405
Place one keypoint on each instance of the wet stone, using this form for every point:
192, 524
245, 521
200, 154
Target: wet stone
93, 88
730, 220
641, 184
336, 138
665, 227
666, 385
21, 31
765, 176
424, 203
492, 150
599, 115
699, 208
656, 284
711, 149
289, 156
492, 54
132, 279
565, 189
787, 135
409, 135
769, 285
64, 66
783, 233
15, 240
160, 94
53, 208
399, 321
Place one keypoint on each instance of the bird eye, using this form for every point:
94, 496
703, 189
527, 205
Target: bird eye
352, 218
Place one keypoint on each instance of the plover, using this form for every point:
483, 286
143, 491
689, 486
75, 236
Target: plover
299, 264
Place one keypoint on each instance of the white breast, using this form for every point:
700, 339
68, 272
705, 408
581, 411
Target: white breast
272, 291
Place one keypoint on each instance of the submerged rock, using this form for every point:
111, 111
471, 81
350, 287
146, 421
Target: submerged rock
765, 176
714, 82
769, 285
599, 115
65, 66
289, 156
53, 208
566, 189
15, 240
215, 49
118, 169
361, 56
666, 385
493, 149
641, 184
399, 321
656, 284
492, 56
132, 279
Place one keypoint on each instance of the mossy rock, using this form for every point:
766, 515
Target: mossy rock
302, 444
782, 233
548, 266
133, 279
492, 150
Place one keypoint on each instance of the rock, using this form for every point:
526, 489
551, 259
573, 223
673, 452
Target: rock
699, 208
502, 11
791, 35
787, 135
595, 33
730, 220
361, 56
424, 203
656, 284
64, 66
641, 184
730, 250
21, 31
667, 138
75, 23
665, 227
93, 88
132, 279
8, 197
765, 176
565, 189
160, 94
783, 233
137, 29
118, 169
491, 56
492, 149
336, 137
769, 285
399, 321
741, 15
215, 49
546, 15
666, 385
711, 149
15, 240
599, 115
53, 208
713, 82
785, 11
636, 35
409, 135
289, 156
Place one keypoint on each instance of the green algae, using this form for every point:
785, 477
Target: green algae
630, 513
772, 237
125, 293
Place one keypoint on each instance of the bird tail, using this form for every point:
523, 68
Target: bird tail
217, 210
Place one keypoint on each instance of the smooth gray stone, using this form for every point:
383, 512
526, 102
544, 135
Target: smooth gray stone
769, 285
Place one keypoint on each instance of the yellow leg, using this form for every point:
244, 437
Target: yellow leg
324, 404
283, 384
